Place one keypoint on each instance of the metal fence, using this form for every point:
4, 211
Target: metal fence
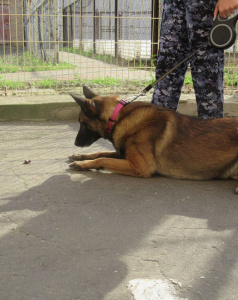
52, 46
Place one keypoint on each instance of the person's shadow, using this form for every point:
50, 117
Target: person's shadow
70, 237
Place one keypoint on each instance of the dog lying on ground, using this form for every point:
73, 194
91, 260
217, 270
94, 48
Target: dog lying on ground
152, 140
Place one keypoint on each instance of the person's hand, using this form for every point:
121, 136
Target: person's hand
225, 8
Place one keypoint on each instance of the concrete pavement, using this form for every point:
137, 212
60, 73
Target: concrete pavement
95, 235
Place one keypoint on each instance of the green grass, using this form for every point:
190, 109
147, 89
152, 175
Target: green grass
57, 84
29, 63
230, 79
108, 81
42, 84
230, 72
12, 85
231, 75
188, 79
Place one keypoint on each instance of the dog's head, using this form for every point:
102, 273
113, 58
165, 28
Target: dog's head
93, 117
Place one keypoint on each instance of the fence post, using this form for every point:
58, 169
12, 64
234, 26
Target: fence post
116, 28
56, 33
154, 28
94, 27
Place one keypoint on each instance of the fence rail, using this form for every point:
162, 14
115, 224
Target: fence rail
53, 46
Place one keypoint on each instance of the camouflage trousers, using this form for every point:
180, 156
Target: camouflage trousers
185, 26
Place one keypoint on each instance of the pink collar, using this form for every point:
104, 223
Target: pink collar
112, 119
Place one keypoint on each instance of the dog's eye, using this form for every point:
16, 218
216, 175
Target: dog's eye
86, 125
89, 127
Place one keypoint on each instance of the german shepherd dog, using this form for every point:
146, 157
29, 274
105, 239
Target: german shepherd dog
149, 140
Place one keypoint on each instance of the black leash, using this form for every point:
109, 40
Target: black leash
222, 36
150, 86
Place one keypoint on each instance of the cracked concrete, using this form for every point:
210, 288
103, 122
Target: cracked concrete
67, 235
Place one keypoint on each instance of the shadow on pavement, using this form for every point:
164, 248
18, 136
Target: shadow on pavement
85, 235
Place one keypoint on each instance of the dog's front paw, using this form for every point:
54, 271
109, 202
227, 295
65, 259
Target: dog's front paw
77, 166
80, 166
71, 158
76, 157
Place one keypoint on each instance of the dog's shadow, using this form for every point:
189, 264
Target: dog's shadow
70, 237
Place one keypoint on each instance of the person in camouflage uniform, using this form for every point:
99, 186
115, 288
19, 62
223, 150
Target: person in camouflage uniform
185, 26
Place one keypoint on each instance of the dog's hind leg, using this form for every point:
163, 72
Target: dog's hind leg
119, 166
231, 171
92, 156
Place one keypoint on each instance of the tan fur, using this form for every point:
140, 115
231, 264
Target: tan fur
150, 140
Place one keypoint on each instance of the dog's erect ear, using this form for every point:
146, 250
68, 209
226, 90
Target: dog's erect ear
87, 106
89, 94
78, 99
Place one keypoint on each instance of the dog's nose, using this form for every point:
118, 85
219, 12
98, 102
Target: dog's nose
76, 143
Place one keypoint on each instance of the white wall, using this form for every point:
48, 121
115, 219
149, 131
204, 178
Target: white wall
126, 49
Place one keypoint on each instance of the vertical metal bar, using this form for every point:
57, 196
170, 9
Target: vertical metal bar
10, 38
72, 26
56, 33
81, 26
23, 40
94, 27
116, 28
154, 28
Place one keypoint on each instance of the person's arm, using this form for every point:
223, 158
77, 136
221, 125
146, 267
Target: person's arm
225, 8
